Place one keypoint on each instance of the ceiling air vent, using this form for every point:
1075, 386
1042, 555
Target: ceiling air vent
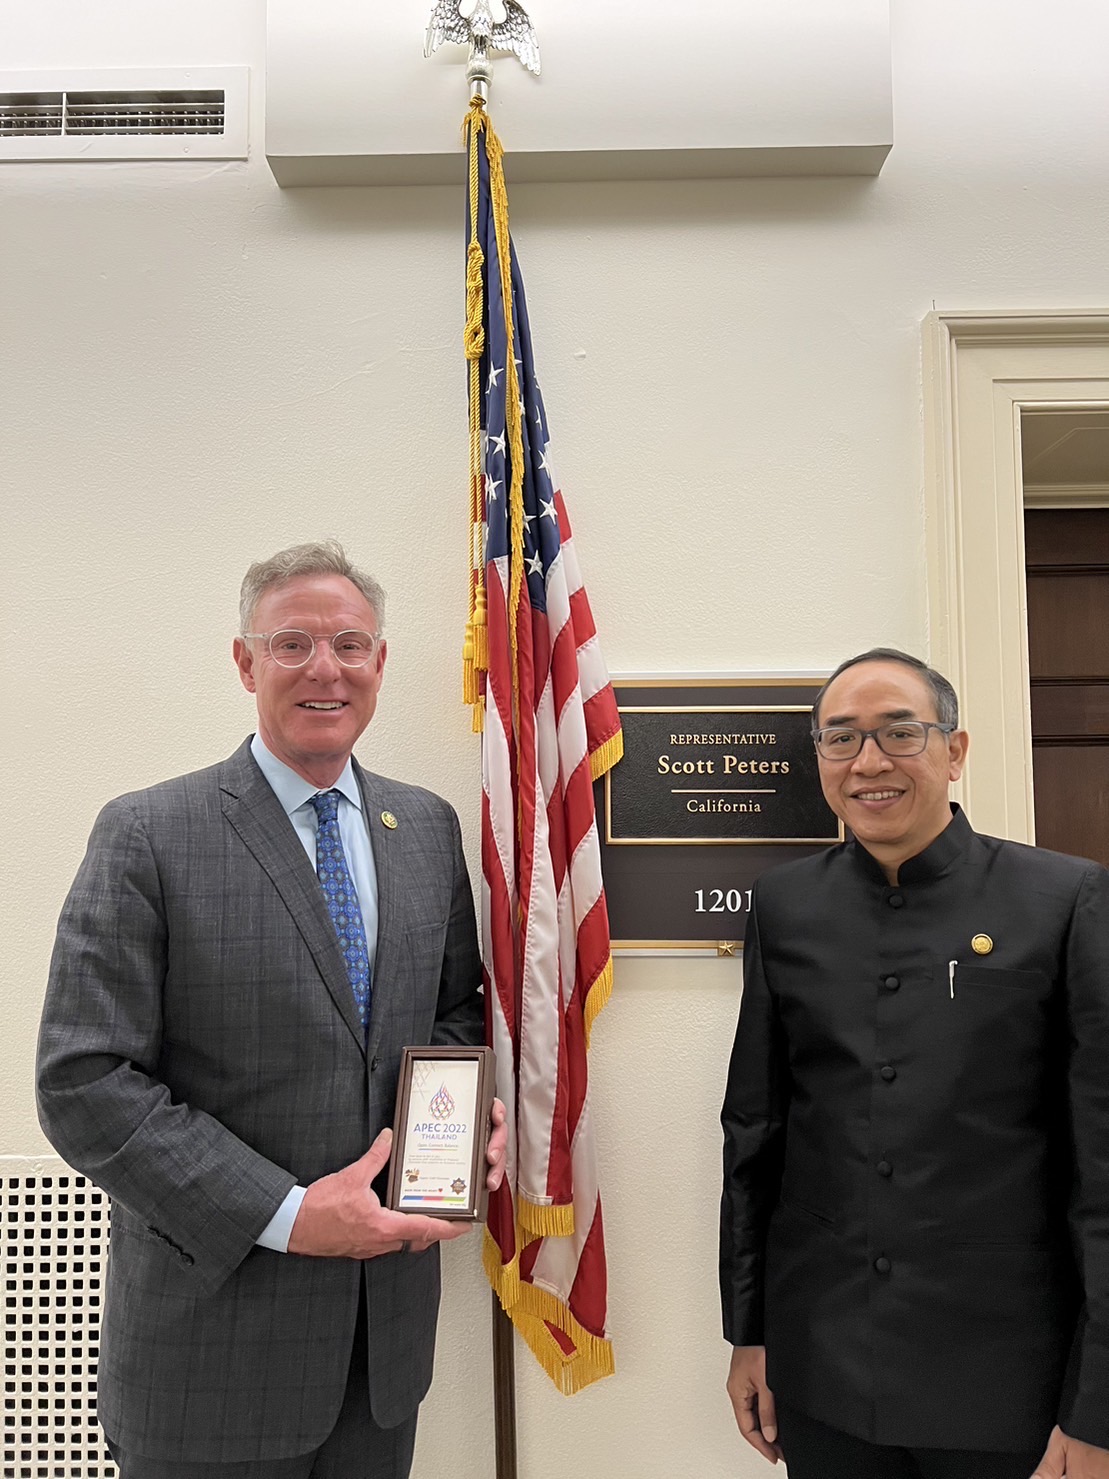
194, 112
29, 114
198, 113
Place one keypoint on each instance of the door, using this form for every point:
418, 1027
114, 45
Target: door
1067, 571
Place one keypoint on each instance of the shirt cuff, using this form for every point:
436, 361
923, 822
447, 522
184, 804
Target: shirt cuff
278, 1230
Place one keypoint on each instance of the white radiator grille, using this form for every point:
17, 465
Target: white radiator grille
53, 1250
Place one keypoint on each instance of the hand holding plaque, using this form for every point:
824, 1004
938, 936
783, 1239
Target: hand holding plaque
444, 1101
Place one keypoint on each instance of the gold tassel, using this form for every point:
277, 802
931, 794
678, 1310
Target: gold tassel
469, 673
477, 715
480, 624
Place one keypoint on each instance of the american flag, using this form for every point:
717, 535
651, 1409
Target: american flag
551, 727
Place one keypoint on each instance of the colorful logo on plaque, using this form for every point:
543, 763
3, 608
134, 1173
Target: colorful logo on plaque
441, 1105
458, 1186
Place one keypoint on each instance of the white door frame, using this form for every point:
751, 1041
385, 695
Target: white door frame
980, 372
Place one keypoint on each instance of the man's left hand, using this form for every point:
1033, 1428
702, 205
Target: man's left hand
498, 1144
1067, 1458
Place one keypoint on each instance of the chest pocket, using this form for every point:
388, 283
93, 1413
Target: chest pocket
1002, 977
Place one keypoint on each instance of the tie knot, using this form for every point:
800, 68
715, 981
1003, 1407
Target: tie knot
327, 806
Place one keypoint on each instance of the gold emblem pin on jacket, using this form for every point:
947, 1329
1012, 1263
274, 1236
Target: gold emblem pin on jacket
981, 944
390, 821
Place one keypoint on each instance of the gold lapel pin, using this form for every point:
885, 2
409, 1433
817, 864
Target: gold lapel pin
981, 944
390, 821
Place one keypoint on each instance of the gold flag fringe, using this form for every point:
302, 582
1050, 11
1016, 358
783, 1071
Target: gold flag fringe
544, 1219
596, 999
605, 756
530, 1309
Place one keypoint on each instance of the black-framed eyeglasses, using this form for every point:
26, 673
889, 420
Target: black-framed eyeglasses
902, 738
291, 648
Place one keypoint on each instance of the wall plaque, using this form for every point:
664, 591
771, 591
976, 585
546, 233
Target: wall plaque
718, 782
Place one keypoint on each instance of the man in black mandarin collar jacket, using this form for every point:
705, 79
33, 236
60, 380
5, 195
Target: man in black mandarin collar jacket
915, 1223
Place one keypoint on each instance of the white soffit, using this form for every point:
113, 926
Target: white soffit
124, 113
629, 90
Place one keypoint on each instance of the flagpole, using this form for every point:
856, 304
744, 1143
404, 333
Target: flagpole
504, 1393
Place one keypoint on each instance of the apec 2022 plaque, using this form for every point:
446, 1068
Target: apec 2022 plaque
719, 782
440, 1132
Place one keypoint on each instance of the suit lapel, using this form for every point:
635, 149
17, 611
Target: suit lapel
255, 813
388, 851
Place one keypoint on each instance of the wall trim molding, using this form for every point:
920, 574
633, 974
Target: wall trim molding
980, 371
1066, 495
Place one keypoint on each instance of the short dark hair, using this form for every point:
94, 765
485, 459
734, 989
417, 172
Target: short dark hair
947, 700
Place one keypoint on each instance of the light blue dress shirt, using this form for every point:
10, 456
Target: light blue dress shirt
295, 795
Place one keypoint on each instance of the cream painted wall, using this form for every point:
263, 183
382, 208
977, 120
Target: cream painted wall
197, 369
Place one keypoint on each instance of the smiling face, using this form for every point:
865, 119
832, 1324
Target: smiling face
310, 717
895, 806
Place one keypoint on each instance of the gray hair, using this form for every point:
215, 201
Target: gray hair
946, 699
325, 557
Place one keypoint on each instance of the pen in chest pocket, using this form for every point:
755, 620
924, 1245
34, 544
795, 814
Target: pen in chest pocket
951, 964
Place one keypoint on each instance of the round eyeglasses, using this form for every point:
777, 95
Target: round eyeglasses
900, 739
292, 648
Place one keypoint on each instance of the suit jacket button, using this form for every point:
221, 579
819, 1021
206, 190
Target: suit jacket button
884, 1168
896, 901
188, 1259
373, 1064
889, 1074
882, 1265
891, 983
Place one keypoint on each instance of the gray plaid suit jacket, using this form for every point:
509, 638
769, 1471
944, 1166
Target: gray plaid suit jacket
200, 1053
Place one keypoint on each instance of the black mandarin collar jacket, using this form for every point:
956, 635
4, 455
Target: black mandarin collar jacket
915, 1218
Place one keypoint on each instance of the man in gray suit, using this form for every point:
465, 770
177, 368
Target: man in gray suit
220, 1044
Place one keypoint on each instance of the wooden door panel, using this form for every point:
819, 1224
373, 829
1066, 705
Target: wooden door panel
1068, 624
1067, 553
1072, 799
1072, 710
1052, 536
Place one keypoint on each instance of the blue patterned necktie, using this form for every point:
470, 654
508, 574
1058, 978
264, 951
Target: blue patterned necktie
342, 900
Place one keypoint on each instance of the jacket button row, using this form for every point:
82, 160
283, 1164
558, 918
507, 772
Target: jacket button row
889, 1074
882, 1265
884, 1168
891, 983
895, 901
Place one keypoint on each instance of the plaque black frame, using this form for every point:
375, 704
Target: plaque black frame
663, 892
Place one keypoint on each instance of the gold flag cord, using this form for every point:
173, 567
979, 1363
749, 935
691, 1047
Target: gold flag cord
477, 121
475, 647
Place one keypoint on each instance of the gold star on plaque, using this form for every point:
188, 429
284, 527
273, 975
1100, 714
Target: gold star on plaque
726, 947
981, 944
390, 821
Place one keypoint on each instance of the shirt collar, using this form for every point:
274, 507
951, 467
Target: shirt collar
942, 853
293, 790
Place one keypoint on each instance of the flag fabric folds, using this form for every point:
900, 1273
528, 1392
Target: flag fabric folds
542, 695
